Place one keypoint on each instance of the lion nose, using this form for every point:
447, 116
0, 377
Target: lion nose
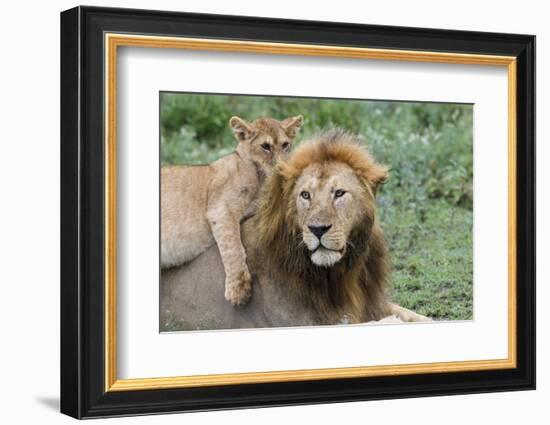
319, 231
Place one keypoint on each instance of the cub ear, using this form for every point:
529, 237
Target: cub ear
241, 129
291, 125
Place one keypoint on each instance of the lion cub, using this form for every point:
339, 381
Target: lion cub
203, 204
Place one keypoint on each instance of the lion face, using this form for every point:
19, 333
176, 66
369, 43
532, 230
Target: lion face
320, 203
331, 202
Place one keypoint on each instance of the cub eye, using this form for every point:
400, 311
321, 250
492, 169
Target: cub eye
339, 193
286, 145
305, 195
266, 147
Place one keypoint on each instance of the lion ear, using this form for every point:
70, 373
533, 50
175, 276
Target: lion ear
241, 129
292, 125
377, 175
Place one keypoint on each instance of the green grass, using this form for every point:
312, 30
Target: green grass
432, 260
426, 206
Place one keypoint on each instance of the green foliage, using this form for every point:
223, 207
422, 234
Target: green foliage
426, 206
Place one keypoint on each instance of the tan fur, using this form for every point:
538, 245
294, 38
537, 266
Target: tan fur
204, 204
344, 272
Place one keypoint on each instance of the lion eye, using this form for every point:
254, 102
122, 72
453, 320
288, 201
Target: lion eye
266, 147
305, 195
339, 193
286, 145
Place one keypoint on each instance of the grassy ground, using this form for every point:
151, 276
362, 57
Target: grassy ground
425, 208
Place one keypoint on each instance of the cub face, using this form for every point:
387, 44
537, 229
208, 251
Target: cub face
266, 140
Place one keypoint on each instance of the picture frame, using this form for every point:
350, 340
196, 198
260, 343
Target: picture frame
90, 40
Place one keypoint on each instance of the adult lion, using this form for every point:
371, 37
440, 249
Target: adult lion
315, 247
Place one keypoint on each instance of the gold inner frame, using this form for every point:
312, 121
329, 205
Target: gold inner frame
113, 41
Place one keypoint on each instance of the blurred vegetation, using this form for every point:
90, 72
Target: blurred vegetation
426, 206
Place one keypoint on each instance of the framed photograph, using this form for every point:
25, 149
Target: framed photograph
260, 212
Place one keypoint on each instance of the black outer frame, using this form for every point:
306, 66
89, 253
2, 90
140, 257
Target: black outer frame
82, 212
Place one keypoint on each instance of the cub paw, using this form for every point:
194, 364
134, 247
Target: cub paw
239, 290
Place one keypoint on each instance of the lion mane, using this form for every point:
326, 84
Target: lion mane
352, 290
